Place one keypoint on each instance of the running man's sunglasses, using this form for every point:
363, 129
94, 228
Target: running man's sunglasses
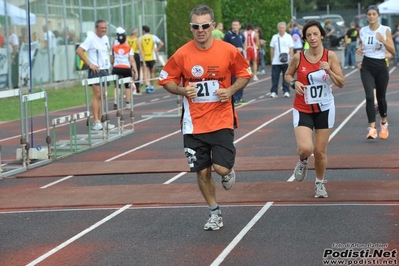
203, 26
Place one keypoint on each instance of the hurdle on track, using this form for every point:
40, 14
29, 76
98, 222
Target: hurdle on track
27, 157
76, 143
121, 106
81, 142
106, 134
25, 119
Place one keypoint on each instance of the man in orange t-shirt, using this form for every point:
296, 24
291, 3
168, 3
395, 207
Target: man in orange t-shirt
201, 71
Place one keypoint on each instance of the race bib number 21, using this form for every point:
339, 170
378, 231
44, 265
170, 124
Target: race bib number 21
317, 93
206, 91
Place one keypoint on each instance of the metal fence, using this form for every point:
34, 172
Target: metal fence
37, 61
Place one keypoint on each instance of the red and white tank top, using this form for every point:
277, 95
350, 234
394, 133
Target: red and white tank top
251, 40
318, 93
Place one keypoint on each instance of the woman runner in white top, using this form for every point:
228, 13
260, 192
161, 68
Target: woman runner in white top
376, 39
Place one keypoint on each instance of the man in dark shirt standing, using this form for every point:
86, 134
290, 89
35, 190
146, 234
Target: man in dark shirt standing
350, 42
236, 38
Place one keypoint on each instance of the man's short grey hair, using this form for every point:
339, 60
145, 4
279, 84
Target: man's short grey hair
202, 10
99, 21
134, 31
281, 23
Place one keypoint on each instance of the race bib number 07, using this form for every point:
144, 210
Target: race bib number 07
206, 91
317, 93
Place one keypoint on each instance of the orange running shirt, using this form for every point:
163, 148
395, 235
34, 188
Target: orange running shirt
122, 53
210, 69
311, 74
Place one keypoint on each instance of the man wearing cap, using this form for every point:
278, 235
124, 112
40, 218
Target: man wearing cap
98, 50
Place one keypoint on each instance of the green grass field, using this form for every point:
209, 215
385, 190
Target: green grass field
58, 99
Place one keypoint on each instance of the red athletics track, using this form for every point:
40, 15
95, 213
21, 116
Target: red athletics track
132, 202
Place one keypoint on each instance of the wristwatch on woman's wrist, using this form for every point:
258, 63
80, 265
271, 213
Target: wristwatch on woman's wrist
292, 83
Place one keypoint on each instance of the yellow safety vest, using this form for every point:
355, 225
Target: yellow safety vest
148, 47
132, 42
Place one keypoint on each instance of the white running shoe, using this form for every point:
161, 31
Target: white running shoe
228, 180
273, 95
97, 126
215, 222
286, 94
128, 106
255, 78
301, 170
108, 126
320, 189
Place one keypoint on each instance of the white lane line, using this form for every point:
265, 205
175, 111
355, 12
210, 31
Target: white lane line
243, 104
347, 119
56, 182
275, 204
243, 232
263, 125
66, 243
142, 146
174, 178
238, 140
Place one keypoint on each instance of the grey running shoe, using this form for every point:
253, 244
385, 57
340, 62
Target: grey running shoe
321, 191
215, 222
228, 180
301, 170
97, 126
128, 106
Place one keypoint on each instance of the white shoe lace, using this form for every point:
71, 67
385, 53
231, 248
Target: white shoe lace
213, 219
302, 167
227, 178
320, 186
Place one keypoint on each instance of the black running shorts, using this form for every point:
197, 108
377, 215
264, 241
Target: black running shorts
122, 73
320, 120
203, 150
150, 64
101, 73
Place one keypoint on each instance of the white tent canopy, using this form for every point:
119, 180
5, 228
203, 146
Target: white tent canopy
389, 7
17, 15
